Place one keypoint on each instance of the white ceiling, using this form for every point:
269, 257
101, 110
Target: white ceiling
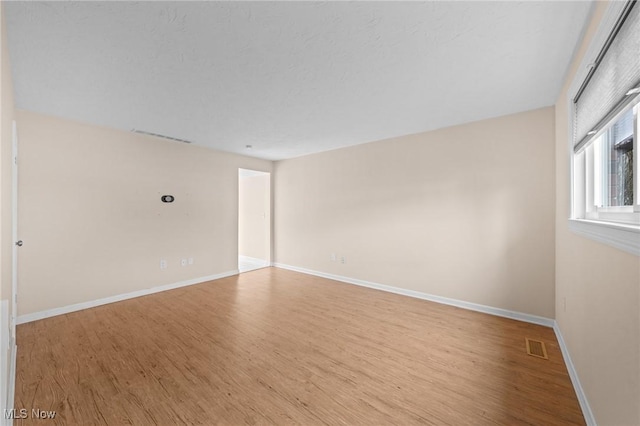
289, 78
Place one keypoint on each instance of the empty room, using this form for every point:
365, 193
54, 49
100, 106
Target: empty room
320, 212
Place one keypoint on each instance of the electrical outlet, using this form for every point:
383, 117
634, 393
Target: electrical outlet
163, 264
183, 262
343, 259
333, 257
191, 261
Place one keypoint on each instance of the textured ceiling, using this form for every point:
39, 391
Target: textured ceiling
289, 78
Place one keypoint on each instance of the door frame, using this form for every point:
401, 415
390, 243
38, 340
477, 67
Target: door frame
14, 233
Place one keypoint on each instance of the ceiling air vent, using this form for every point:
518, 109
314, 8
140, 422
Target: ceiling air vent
160, 136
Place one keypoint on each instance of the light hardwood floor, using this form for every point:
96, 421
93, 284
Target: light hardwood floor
278, 347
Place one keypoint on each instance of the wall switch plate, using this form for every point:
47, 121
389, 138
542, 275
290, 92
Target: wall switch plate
183, 262
190, 261
163, 264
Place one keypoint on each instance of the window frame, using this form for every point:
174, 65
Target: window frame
605, 225
625, 214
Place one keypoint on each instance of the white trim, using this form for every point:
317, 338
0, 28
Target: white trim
533, 319
621, 236
573, 374
119, 297
5, 366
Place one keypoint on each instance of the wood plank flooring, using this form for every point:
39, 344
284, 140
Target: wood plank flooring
278, 347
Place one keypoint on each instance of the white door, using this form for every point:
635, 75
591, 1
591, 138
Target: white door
16, 243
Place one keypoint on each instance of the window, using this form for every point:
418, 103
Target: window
605, 108
608, 170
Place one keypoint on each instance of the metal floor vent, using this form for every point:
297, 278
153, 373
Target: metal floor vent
160, 136
536, 348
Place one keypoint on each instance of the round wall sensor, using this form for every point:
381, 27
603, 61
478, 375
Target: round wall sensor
167, 198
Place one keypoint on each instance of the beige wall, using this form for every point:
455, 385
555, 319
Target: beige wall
601, 286
254, 227
91, 217
6, 135
464, 212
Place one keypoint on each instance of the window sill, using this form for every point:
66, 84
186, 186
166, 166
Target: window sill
621, 236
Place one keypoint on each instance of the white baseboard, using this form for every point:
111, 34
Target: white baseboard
573, 374
117, 298
534, 319
5, 363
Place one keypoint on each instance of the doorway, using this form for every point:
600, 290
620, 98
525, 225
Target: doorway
254, 220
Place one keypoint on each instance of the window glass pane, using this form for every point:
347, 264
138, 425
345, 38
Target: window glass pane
598, 174
618, 164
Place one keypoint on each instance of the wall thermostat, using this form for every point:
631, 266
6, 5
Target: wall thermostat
167, 198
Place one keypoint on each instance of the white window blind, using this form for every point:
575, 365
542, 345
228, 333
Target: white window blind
608, 88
